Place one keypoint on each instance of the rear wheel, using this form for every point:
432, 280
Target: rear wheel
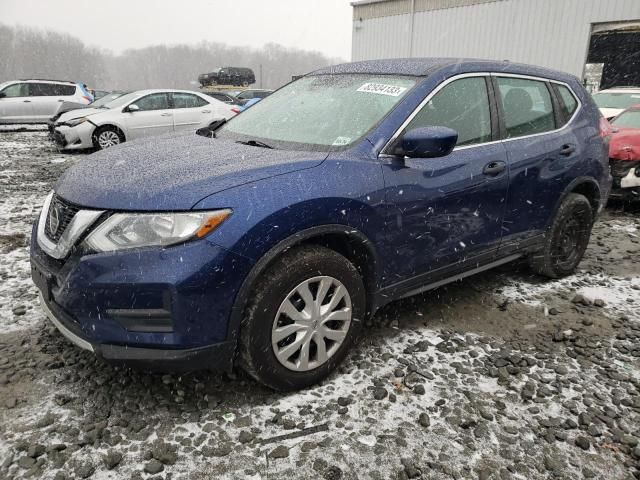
305, 314
566, 240
107, 136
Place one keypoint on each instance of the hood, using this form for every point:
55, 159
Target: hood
68, 106
173, 172
610, 113
625, 144
78, 113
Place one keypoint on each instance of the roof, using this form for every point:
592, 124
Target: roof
417, 67
66, 82
421, 67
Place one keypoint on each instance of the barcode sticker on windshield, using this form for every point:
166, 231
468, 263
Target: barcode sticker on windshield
340, 141
382, 89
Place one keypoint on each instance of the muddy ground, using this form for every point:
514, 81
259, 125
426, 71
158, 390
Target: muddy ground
502, 376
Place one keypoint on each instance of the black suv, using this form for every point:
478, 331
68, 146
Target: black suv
228, 76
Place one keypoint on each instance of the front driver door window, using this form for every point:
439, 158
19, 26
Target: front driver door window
16, 105
446, 210
153, 117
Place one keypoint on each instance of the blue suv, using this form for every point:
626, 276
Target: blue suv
268, 244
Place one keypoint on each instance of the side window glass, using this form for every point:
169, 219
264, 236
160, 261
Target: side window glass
155, 101
43, 89
64, 90
463, 105
186, 100
527, 106
568, 102
16, 90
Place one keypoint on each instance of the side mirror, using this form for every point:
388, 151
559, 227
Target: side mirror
2, 94
132, 108
428, 142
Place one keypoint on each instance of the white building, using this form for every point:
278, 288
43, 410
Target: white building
560, 34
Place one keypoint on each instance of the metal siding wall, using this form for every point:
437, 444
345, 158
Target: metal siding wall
550, 33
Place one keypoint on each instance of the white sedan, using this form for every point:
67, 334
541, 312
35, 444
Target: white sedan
140, 114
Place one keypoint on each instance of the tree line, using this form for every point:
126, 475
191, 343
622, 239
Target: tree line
34, 53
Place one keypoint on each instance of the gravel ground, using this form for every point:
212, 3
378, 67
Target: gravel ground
502, 376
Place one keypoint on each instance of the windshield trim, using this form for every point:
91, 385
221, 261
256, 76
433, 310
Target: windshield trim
314, 147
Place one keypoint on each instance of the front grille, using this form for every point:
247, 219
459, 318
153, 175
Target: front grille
64, 214
620, 168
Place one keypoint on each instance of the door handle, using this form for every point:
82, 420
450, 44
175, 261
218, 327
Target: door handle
165, 115
27, 101
206, 111
567, 150
494, 168
61, 100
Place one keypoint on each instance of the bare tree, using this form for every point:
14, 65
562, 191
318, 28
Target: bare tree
46, 54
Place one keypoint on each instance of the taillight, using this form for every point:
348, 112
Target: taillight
236, 110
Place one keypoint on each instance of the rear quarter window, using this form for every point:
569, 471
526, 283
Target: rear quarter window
568, 102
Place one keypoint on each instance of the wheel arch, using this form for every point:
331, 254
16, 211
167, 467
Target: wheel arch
586, 186
108, 124
345, 240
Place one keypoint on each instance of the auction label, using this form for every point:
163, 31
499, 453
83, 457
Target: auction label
382, 89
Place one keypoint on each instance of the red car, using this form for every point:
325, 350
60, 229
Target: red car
624, 154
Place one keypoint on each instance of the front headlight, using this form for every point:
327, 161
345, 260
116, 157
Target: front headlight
132, 230
76, 121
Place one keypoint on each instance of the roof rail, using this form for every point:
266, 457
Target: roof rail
45, 80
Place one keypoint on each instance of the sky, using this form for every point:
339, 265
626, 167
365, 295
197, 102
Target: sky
320, 25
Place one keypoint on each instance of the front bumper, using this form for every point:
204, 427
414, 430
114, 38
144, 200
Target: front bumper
79, 137
161, 309
215, 357
626, 179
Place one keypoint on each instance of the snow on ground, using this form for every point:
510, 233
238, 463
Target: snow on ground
452, 384
618, 294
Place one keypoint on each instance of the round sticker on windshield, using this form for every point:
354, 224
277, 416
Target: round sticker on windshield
382, 89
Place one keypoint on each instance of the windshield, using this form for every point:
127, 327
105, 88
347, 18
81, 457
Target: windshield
321, 112
107, 99
621, 100
124, 99
628, 119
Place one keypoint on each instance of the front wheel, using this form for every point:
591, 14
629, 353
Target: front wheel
305, 313
566, 240
107, 136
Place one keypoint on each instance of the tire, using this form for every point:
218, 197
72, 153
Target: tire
245, 84
321, 269
107, 136
566, 240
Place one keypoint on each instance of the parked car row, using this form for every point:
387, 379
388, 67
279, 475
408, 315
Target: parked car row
77, 120
139, 114
270, 244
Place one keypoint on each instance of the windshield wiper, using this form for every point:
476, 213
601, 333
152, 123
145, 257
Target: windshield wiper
255, 143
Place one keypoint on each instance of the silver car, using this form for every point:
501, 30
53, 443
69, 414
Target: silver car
35, 101
140, 114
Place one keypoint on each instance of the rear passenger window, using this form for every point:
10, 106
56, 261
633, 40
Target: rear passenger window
527, 106
463, 105
568, 102
42, 89
186, 100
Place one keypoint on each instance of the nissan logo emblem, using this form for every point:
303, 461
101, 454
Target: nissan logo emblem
54, 219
